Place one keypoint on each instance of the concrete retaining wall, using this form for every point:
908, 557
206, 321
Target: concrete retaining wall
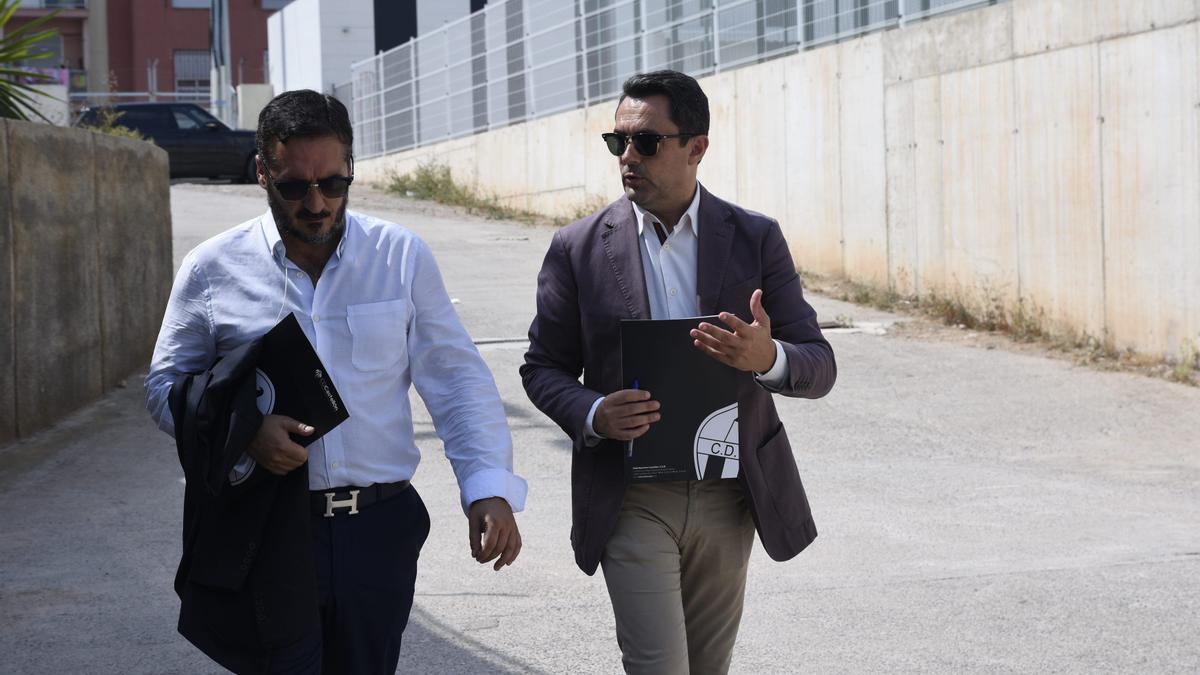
1042, 154
85, 267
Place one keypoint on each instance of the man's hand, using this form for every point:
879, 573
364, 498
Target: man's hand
748, 347
493, 532
624, 415
273, 449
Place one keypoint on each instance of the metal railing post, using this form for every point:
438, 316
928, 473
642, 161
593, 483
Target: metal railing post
530, 90
383, 146
446, 82
581, 23
644, 29
415, 92
716, 38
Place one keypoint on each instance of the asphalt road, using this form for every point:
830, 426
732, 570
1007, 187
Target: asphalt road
979, 511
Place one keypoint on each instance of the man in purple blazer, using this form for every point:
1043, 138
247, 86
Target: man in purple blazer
674, 554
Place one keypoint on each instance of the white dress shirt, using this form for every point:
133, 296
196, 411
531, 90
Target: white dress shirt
670, 271
380, 319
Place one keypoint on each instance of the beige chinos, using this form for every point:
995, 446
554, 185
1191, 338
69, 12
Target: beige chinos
676, 573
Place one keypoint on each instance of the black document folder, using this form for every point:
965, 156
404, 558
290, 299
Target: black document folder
697, 436
292, 381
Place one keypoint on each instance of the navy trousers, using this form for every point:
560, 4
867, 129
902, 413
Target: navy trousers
366, 571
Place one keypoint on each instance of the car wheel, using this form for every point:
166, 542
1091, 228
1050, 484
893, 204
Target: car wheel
250, 174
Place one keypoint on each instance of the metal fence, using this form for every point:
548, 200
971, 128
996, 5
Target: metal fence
516, 60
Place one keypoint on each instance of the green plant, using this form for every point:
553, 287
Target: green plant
107, 123
1185, 367
433, 181
17, 45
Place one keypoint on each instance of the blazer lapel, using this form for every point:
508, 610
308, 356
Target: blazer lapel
714, 249
620, 238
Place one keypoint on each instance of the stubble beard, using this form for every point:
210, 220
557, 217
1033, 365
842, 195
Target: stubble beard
288, 227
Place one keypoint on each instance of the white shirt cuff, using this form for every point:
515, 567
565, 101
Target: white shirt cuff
590, 437
775, 377
494, 483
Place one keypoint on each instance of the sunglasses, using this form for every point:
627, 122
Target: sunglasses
645, 142
333, 187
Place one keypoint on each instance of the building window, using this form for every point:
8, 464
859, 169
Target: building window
192, 69
272, 5
191, 4
50, 50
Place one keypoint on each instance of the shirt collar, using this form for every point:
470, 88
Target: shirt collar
690, 217
275, 242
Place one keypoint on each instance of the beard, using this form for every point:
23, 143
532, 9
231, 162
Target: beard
302, 225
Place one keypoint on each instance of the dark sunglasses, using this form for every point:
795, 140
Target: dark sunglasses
645, 142
333, 187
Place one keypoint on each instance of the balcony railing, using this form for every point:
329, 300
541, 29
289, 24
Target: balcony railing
54, 4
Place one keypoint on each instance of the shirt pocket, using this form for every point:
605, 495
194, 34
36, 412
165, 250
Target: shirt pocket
379, 333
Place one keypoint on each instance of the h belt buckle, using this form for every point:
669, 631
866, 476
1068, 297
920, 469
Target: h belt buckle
331, 504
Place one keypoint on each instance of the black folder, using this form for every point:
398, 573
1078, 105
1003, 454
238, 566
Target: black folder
697, 436
292, 381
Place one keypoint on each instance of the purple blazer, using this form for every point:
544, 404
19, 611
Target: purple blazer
591, 278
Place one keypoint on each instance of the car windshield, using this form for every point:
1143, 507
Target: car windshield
191, 117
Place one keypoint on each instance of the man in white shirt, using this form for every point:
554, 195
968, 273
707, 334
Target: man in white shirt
370, 298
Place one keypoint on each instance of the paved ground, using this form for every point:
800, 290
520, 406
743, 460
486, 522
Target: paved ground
979, 510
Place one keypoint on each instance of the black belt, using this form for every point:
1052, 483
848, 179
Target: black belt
350, 499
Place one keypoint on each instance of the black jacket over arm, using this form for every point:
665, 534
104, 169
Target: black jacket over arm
246, 580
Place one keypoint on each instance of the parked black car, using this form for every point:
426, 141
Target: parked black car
198, 144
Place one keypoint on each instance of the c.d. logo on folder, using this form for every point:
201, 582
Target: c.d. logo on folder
697, 436
265, 392
717, 445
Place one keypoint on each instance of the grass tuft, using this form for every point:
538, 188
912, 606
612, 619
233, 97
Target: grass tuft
1188, 365
1024, 323
108, 122
434, 181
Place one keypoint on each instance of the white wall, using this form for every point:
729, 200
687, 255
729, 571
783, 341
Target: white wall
313, 42
252, 98
347, 36
1039, 154
431, 14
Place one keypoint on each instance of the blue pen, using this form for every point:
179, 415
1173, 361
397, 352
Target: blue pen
629, 447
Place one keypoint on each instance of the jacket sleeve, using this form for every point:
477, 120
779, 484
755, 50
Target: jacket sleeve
554, 361
811, 369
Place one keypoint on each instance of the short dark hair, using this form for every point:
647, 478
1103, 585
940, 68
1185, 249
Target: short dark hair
302, 113
689, 105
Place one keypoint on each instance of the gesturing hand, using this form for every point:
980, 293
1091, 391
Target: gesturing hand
748, 347
493, 532
273, 449
624, 415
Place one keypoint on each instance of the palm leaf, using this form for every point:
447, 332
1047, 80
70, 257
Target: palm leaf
17, 98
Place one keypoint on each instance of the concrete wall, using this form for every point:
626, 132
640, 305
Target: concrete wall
85, 267
1041, 154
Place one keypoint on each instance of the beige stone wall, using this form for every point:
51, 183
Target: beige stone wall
85, 267
1040, 153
